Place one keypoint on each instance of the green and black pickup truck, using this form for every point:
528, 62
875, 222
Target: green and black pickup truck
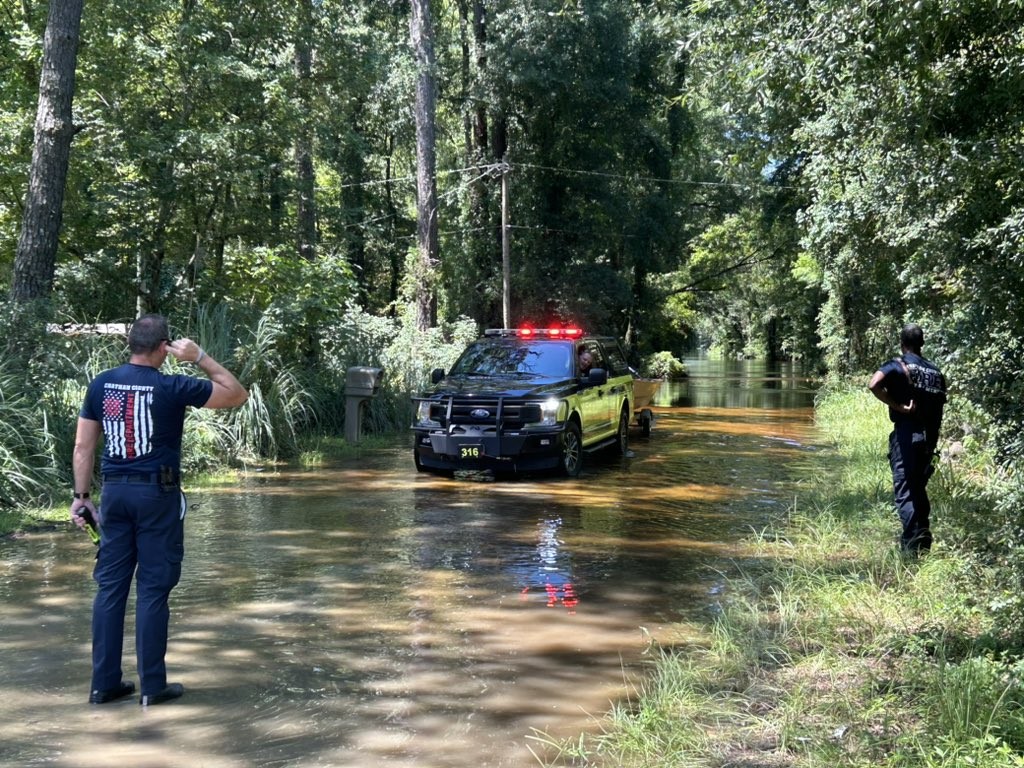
518, 400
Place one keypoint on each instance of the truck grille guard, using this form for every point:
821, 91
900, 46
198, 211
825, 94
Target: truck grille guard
500, 413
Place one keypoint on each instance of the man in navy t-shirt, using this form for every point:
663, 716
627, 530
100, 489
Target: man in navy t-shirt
140, 413
915, 391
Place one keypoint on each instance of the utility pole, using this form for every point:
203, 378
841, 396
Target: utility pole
506, 309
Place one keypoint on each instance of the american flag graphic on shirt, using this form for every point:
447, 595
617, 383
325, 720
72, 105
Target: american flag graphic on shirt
127, 420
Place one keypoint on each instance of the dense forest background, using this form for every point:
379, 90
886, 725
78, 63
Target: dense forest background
783, 179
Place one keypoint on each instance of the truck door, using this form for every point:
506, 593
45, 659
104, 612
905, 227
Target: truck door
620, 382
594, 400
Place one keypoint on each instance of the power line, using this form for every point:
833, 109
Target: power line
492, 229
622, 177
500, 168
397, 179
490, 169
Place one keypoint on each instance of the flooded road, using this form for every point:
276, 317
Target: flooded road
364, 615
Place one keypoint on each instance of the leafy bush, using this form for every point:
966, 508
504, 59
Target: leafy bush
406, 355
302, 296
43, 375
663, 365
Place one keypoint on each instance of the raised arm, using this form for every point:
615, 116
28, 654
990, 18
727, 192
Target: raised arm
228, 392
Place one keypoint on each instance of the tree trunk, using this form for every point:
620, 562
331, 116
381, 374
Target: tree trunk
465, 77
351, 165
474, 107
421, 34
480, 106
36, 257
393, 216
306, 182
150, 259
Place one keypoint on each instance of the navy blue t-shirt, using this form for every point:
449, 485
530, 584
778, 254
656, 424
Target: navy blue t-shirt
142, 412
897, 385
911, 377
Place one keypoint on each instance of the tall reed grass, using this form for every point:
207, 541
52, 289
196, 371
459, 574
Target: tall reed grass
27, 440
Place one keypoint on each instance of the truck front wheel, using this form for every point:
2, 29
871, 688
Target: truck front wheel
572, 450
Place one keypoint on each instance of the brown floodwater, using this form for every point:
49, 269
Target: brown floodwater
361, 614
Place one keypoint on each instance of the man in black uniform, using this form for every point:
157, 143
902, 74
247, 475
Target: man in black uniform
138, 414
915, 391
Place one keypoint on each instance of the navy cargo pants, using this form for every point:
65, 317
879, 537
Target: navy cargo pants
142, 536
910, 461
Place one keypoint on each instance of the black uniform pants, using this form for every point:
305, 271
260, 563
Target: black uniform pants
910, 459
142, 538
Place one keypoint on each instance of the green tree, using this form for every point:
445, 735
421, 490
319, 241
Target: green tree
901, 123
748, 291
182, 151
595, 144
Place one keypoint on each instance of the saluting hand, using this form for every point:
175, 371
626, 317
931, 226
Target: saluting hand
185, 350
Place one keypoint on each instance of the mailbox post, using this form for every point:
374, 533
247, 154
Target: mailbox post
361, 385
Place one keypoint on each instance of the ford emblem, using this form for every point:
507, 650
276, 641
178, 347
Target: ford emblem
479, 413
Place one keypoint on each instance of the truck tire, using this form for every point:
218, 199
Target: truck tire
622, 436
572, 450
430, 470
646, 421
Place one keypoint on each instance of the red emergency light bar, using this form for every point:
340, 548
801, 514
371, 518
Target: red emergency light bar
539, 333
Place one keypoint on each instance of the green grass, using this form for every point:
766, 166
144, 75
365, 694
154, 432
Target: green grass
14, 521
841, 652
317, 449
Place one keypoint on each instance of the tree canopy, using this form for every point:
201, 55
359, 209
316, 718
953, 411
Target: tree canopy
768, 178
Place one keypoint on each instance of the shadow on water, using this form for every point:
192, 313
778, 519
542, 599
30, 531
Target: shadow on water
364, 615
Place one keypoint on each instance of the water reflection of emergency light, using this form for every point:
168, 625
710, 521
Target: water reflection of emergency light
564, 595
549, 569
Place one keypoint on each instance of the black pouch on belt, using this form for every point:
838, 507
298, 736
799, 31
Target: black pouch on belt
168, 478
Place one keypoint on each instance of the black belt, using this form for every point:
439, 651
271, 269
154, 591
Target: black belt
135, 477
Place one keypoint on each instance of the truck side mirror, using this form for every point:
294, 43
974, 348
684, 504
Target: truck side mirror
436, 375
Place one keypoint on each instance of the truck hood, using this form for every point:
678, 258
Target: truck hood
488, 386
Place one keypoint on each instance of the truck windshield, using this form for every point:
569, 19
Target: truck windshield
515, 357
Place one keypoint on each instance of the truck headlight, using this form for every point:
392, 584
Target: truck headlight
423, 418
551, 412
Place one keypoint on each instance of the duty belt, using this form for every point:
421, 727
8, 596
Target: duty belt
137, 477
134, 477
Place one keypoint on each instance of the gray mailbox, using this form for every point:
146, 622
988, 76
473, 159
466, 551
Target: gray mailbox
361, 385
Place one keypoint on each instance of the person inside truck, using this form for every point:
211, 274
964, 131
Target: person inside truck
586, 361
